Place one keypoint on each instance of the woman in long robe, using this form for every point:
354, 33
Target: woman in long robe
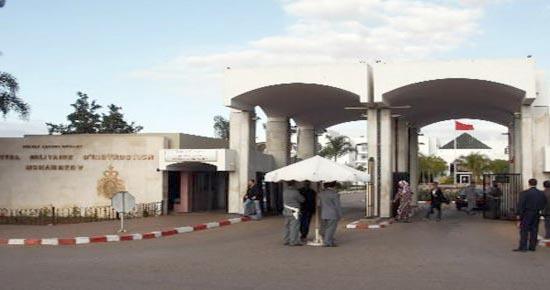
404, 211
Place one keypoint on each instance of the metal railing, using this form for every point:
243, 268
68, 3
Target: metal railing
71, 215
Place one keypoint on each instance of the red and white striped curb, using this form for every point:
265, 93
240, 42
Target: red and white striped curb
544, 242
120, 238
357, 225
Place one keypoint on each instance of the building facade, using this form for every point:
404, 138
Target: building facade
398, 99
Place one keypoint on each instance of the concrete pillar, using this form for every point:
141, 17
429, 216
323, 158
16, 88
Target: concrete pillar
307, 142
242, 125
402, 146
278, 140
380, 143
526, 144
414, 167
516, 143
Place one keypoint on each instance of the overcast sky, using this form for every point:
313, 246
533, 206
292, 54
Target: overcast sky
161, 60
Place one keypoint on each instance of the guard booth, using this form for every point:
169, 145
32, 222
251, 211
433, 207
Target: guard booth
196, 179
506, 206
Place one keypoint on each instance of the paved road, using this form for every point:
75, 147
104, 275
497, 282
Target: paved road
458, 253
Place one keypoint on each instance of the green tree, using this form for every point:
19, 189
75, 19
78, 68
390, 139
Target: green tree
498, 166
84, 120
336, 146
87, 120
113, 122
475, 162
9, 99
221, 127
431, 166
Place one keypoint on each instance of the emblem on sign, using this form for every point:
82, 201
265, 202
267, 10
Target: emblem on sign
110, 183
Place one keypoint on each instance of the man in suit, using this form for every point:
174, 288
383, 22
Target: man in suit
331, 212
308, 209
436, 198
292, 200
530, 204
546, 211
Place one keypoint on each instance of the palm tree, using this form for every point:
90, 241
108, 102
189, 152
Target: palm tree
9, 101
431, 166
337, 146
475, 162
499, 166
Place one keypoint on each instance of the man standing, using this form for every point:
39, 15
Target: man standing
495, 194
308, 209
253, 199
436, 198
531, 202
471, 196
331, 212
546, 211
292, 200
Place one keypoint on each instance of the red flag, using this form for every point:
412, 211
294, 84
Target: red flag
463, 127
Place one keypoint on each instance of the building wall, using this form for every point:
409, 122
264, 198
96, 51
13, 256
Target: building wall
64, 171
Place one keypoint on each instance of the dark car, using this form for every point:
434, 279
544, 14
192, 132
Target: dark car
461, 200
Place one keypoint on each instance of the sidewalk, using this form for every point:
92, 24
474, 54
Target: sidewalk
139, 225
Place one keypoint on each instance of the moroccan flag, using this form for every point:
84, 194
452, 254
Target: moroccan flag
463, 127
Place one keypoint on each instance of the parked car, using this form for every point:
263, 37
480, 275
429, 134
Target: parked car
461, 201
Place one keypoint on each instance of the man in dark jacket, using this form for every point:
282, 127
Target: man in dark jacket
546, 211
252, 199
530, 204
307, 208
436, 198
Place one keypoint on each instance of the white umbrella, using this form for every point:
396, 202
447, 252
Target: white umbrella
317, 169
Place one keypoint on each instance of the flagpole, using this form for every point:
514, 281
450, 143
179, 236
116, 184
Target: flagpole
454, 159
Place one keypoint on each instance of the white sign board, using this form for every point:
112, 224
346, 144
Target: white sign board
123, 202
198, 155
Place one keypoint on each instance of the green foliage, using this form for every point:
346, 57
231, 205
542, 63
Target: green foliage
498, 166
337, 146
476, 163
221, 127
431, 166
9, 99
87, 120
114, 122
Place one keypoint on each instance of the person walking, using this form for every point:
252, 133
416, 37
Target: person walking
530, 204
331, 212
291, 211
308, 208
436, 198
546, 211
253, 198
471, 196
404, 196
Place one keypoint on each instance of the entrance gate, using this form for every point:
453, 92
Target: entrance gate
506, 206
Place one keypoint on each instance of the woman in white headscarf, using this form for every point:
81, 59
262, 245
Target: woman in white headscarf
404, 211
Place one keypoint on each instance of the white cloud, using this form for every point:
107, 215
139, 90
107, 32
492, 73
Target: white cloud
325, 31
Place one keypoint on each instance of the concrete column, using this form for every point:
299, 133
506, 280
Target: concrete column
511, 150
386, 182
380, 143
526, 144
402, 146
414, 168
516, 144
307, 142
278, 140
242, 125
372, 144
